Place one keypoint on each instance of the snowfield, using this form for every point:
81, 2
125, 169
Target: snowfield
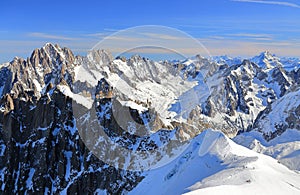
214, 164
286, 148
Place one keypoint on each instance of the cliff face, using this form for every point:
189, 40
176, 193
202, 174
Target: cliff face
42, 152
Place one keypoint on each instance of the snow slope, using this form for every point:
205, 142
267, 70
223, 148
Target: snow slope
214, 164
280, 125
285, 148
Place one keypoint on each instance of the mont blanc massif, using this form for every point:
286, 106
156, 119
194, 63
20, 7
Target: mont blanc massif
95, 124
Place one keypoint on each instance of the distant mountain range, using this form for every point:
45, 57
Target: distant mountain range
190, 116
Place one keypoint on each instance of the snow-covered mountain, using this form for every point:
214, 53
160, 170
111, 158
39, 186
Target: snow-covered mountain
227, 60
266, 60
276, 131
50, 100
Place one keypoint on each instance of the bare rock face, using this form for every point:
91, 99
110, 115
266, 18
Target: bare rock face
295, 74
9, 103
43, 146
50, 64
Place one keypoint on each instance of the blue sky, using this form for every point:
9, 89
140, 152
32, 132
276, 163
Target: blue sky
233, 27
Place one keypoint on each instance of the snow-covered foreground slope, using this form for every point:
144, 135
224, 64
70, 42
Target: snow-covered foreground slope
285, 148
214, 164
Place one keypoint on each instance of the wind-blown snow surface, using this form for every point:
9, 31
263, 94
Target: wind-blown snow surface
285, 148
213, 164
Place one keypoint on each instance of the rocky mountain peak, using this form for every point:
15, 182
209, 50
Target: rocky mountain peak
266, 60
100, 57
267, 54
49, 64
137, 59
51, 54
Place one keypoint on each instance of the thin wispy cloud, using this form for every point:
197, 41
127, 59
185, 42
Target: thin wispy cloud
162, 36
242, 36
263, 37
250, 35
217, 37
50, 36
123, 39
283, 3
98, 35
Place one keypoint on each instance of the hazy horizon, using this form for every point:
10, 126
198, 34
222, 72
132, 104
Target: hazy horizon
225, 27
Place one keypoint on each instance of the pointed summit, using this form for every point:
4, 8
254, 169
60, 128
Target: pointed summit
266, 60
267, 54
51, 55
48, 44
51, 49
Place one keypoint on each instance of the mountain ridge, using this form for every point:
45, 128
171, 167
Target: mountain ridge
161, 104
